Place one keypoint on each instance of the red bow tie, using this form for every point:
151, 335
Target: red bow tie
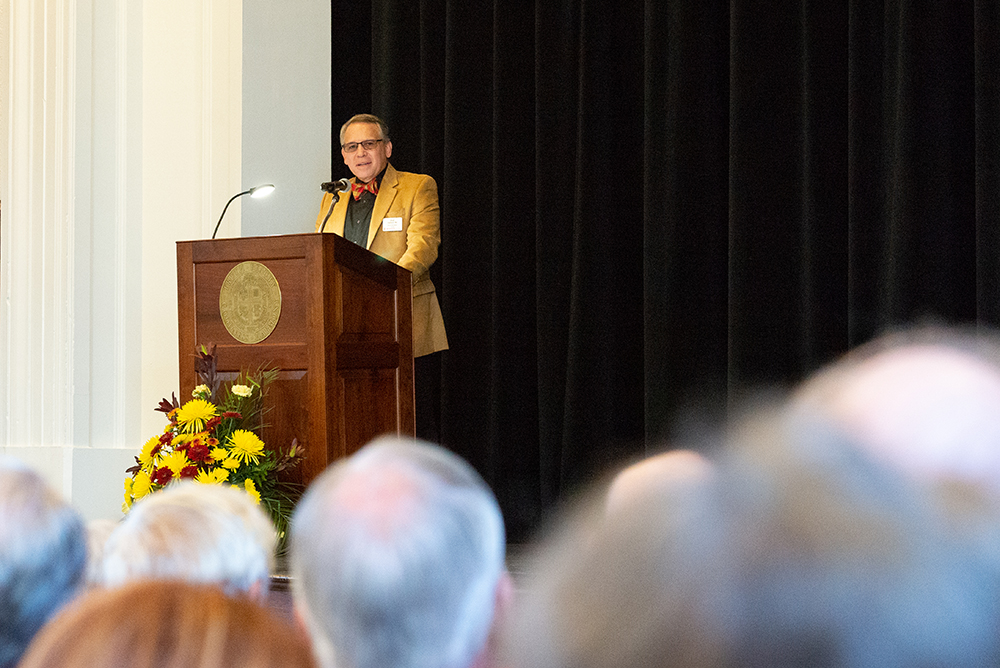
358, 188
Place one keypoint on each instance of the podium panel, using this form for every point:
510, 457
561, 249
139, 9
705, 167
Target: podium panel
342, 339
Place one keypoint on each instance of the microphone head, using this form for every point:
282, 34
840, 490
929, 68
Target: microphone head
343, 185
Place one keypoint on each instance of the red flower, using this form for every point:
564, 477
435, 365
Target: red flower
197, 452
162, 476
189, 472
214, 422
231, 414
166, 437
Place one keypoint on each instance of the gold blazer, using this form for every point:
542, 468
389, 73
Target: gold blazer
405, 229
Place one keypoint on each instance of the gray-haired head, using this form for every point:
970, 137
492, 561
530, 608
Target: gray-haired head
397, 553
197, 533
43, 556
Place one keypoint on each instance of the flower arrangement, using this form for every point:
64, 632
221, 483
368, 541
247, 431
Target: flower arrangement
214, 439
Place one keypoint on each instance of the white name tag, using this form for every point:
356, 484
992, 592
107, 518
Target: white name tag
392, 224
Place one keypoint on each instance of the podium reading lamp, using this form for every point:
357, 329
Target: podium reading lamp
256, 191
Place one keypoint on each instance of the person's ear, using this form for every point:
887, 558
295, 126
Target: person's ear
299, 621
504, 597
257, 592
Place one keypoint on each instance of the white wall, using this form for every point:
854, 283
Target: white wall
286, 112
192, 52
4, 116
120, 134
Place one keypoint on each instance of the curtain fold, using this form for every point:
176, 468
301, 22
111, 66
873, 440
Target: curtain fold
987, 157
651, 208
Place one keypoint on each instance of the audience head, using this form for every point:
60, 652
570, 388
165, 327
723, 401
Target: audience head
922, 400
196, 532
799, 550
98, 532
43, 556
397, 556
674, 467
163, 624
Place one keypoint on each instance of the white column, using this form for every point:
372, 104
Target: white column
37, 309
120, 124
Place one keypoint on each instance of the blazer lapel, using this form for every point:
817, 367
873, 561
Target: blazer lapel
386, 193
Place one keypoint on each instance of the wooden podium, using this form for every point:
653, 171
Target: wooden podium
342, 338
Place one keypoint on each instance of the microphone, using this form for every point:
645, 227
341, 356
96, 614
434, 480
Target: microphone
343, 185
334, 188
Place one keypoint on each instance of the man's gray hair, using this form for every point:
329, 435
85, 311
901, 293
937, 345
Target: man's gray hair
43, 556
365, 118
396, 556
197, 533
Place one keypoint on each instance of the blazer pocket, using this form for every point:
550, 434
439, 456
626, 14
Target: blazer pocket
424, 286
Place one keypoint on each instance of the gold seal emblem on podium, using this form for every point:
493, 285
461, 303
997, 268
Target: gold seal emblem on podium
250, 302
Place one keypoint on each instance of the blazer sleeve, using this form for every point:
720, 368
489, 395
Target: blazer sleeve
423, 232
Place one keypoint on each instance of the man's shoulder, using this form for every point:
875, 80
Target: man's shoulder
411, 178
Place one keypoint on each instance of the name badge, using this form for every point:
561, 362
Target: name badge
392, 224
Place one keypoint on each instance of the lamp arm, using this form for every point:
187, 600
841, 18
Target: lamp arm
225, 208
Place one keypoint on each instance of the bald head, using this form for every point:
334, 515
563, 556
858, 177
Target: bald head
797, 551
650, 475
928, 403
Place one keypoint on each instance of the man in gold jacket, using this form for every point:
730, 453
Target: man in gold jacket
393, 214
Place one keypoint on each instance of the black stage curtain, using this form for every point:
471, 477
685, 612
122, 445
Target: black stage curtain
653, 206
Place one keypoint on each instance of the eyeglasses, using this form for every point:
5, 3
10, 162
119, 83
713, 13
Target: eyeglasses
368, 144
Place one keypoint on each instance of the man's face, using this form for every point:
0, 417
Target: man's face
365, 163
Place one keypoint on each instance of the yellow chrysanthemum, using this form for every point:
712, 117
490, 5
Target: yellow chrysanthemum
245, 446
146, 458
231, 463
218, 454
175, 461
251, 489
182, 437
141, 485
128, 495
192, 416
214, 477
